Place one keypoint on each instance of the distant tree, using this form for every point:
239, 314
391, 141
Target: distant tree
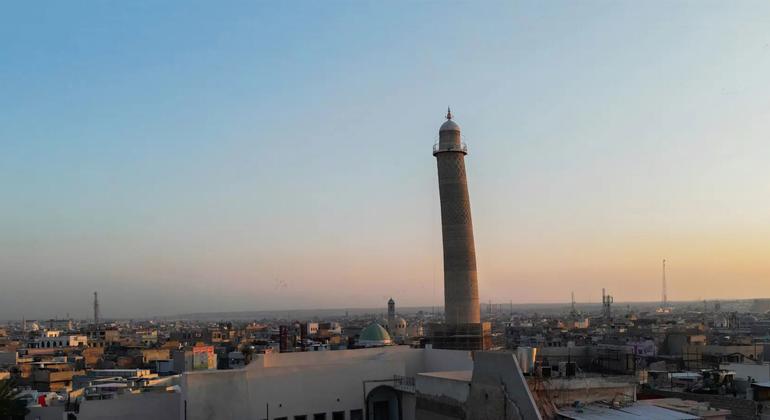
11, 407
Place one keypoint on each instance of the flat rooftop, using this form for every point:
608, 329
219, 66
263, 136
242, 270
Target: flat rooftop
633, 412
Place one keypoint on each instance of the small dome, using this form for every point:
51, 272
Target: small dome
390, 301
374, 335
449, 125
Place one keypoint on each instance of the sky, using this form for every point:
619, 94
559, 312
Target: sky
189, 156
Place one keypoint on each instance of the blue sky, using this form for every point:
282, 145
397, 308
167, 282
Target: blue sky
259, 155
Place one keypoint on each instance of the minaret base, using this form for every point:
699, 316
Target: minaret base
461, 337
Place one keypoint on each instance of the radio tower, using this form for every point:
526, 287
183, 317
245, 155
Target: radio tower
96, 310
665, 298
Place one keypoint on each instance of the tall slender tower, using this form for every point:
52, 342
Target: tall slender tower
391, 314
664, 300
96, 311
461, 288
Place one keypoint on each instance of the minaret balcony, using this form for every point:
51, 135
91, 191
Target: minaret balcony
438, 148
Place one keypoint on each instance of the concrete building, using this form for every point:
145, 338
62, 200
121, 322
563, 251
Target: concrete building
462, 328
493, 390
59, 341
194, 358
59, 324
102, 337
374, 383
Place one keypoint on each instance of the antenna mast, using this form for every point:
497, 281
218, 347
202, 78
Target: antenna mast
665, 297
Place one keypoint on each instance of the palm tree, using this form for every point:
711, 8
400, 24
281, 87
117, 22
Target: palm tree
11, 407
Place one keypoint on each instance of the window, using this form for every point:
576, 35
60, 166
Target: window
319, 416
280, 418
338, 415
357, 414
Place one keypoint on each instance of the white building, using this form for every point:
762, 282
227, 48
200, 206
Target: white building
346, 385
58, 341
393, 383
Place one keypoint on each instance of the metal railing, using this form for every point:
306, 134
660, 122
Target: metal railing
462, 147
403, 383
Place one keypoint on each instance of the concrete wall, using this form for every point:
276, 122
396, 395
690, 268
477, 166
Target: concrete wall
7, 358
146, 406
442, 387
434, 408
760, 373
436, 360
499, 390
45, 413
582, 355
283, 391
289, 384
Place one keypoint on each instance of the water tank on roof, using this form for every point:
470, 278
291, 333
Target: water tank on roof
526, 358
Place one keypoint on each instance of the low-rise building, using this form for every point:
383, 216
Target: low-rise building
59, 341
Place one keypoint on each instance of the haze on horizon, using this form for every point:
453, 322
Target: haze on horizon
188, 157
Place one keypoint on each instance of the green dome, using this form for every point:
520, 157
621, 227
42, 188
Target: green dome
374, 334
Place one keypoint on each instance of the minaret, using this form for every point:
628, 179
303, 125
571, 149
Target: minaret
96, 311
461, 288
391, 314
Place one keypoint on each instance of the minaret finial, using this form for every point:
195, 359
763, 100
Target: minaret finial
448, 113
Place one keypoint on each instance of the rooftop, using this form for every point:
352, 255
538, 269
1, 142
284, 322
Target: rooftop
633, 412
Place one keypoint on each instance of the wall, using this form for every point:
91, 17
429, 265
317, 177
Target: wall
436, 360
285, 390
582, 355
145, 406
290, 384
760, 373
151, 355
498, 390
442, 387
7, 358
45, 413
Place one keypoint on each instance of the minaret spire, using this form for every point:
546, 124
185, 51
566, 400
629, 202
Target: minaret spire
448, 113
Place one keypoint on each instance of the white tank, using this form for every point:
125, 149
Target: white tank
526, 358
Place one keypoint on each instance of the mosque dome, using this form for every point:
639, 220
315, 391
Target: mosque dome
449, 125
374, 336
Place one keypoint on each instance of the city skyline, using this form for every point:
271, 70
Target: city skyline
279, 156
